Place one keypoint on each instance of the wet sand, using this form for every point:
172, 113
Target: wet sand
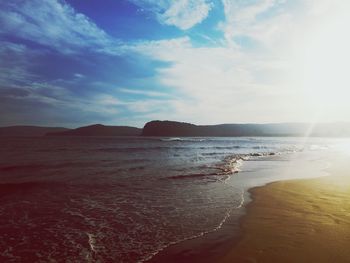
304, 220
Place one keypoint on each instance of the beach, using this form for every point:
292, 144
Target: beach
304, 220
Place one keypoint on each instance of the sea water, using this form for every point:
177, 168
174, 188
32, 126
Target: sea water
114, 199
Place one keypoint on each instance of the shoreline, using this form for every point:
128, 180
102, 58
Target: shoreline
299, 220
216, 245
212, 244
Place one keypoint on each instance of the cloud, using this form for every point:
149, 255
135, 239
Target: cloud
29, 96
144, 92
217, 84
79, 76
148, 106
264, 22
183, 14
226, 81
47, 96
14, 63
55, 24
232, 83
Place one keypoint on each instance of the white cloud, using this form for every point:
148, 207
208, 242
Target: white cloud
144, 92
245, 13
242, 19
148, 105
218, 84
183, 14
79, 76
226, 83
56, 24
229, 83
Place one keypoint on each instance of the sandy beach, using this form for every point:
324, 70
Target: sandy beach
304, 220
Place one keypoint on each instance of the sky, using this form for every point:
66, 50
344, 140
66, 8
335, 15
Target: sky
126, 62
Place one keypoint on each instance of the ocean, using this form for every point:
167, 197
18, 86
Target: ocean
114, 199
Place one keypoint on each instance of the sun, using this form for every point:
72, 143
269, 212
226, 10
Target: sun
326, 64
323, 64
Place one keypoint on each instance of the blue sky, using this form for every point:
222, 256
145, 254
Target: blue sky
126, 62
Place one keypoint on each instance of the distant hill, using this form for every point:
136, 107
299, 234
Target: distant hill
28, 130
172, 128
99, 130
182, 129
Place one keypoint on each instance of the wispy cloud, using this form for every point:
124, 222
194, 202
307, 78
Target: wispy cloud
208, 77
14, 64
58, 64
55, 24
183, 14
144, 92
78, 75
147, 106
230, 82
47, 95
262, 21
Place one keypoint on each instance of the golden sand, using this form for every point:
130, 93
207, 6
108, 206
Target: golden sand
298, 221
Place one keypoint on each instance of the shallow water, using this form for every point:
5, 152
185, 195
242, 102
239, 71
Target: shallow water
109, 199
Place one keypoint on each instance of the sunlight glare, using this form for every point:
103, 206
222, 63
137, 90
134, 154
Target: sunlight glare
325, 63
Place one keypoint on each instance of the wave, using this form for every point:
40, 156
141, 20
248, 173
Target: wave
138, 149
214, 153
229, 166
260, 147
154, 148
222, 147
191, 175
171, 139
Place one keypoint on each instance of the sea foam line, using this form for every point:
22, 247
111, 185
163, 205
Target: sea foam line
227, 215
231, 166
234, 162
